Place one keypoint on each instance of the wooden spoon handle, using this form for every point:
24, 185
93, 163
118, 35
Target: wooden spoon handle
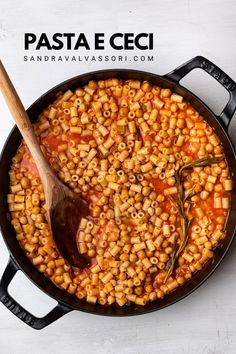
23, 123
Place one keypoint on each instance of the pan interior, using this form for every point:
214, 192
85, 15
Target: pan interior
8, 232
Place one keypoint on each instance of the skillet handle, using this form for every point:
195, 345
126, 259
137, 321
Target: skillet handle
19, 311
218, 74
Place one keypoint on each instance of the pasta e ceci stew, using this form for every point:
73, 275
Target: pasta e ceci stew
154, 175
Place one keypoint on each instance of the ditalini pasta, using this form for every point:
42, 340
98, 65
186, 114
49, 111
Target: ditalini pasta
154, 175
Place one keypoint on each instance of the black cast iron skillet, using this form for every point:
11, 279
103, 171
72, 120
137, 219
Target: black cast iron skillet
19, 261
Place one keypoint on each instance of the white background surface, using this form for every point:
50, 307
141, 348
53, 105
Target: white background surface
205, 322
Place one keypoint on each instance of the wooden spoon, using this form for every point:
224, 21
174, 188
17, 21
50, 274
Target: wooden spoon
64, 207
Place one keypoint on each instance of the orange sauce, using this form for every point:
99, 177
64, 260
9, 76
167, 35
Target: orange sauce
159, 185
28, 163
51, 142
78, 138
191, 148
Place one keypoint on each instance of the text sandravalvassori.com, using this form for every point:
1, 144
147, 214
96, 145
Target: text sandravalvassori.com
88, 58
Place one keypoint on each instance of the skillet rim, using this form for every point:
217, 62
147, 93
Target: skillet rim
167, 83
